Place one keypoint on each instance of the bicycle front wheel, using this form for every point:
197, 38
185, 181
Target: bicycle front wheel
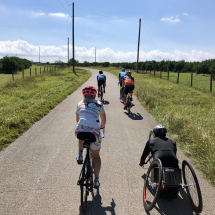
193, 188
152, 185
84, 187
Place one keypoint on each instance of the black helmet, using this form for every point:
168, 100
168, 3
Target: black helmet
100, 72
159, 130
128, 72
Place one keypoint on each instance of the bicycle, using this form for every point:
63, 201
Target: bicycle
101, 91
85, 180
158, 178
128, 101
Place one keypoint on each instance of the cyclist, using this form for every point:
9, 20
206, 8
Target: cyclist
128, 85
121, 75
101, 79
165, 149
87, 117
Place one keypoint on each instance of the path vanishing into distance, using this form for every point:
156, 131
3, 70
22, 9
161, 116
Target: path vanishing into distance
39, 173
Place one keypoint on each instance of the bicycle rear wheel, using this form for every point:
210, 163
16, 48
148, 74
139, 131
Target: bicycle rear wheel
152, 185
83, 187
128, 103
193, 190
101, 92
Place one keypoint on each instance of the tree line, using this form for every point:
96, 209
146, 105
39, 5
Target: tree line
13, 64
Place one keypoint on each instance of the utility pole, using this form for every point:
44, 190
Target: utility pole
138, 44
39, 55
73, 39
95, 56
73, 46
68, 52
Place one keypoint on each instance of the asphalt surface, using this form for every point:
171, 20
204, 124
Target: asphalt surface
39, 173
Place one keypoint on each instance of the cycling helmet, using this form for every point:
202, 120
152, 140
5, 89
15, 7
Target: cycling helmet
159, 130
122, 70
100, 72
128, 72
89, 90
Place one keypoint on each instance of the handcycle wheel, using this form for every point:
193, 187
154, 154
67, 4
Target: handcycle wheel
152, 185
193, 190
84, 188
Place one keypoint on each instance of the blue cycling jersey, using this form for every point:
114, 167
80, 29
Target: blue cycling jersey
101, 77
122, 74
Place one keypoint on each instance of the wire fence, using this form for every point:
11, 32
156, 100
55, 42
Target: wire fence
33, 71
194, 80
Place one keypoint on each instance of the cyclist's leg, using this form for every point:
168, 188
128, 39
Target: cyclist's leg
104, 84
81, 148
99, 83
120, 89
125, 95
95, 149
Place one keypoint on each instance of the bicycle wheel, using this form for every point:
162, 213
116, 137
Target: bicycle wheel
83, 187
101, 92
152, 185
128, 103
193, 190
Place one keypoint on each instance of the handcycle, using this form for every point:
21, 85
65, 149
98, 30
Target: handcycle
85, 180
159, 178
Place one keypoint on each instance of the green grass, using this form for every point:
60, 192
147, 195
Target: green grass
188, 115
35, 71
200, 81
25, 101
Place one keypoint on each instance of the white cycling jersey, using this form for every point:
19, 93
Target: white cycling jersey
89, 113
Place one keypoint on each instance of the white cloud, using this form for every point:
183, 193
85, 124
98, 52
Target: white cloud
38, 14
185, 14
171, 19
59, 15
52, 53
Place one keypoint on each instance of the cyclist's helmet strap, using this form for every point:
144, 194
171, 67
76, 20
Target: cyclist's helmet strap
159, 130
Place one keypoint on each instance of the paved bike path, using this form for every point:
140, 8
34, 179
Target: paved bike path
38, 172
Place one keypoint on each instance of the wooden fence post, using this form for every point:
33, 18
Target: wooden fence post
168, 73
191, 84
12, 76
178, 78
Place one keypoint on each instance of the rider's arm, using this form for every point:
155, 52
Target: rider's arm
77, 117
103, 119
146, 152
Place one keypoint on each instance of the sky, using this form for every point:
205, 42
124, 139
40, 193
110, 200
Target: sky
107, 31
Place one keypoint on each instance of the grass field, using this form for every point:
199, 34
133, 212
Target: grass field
188, 115
200, 81
25, 101
35, 70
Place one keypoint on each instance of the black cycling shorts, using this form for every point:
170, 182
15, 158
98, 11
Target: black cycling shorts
100, 83
128, 89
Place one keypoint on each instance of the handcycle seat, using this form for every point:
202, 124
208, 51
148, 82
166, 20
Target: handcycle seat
172, 177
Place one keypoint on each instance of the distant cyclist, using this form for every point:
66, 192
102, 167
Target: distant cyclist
165, 149
101, 79
121, 75
128, 85
87, 117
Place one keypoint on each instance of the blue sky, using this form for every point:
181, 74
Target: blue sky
170, 30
